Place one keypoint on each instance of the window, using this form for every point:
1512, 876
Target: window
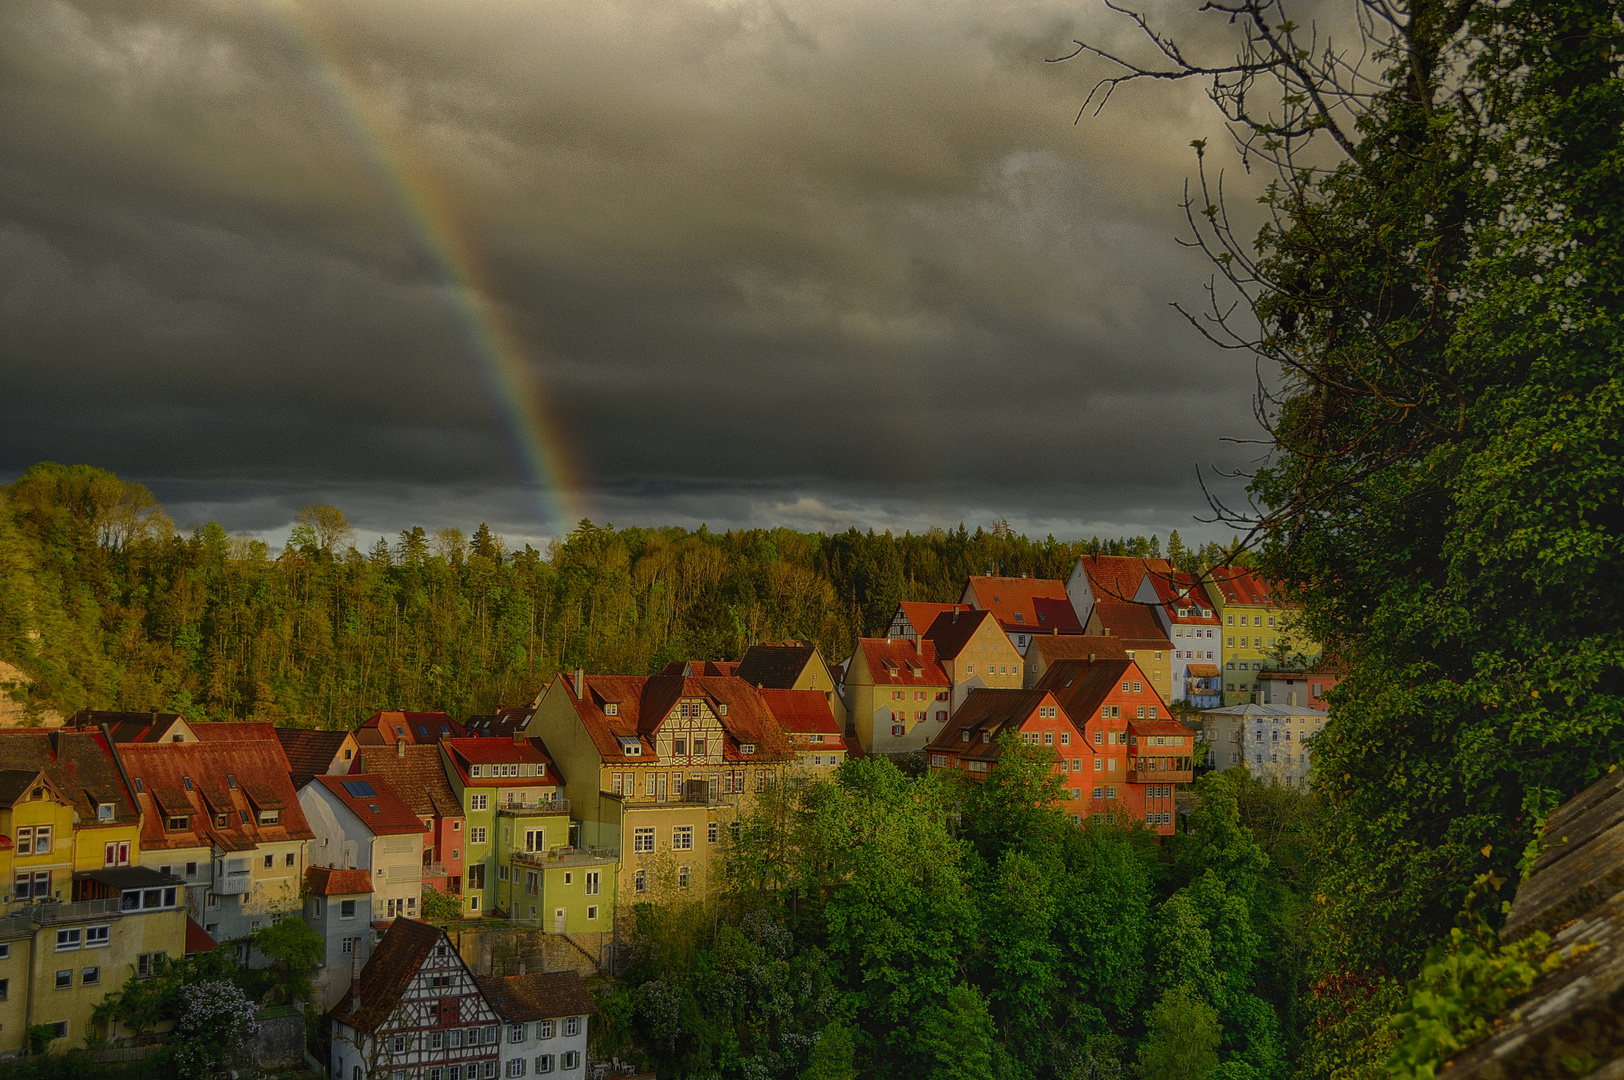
97, 937
710, 833
1065, 738
592, 913
479, 802
489, 1036
611, 709
270, 862
544, 1063
699, 747
1099, 764
592, 883
682, 877
177, 823
349, 943
640, 881
90, 976
572, 1026
42, 840
544, 1030
643, 838
898, 731
346, 909
516, 1033
569, 1059
1048, 738
515, 1067
68, 939
679, 746
682, 837
476, 834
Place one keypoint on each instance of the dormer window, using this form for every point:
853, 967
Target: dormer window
1019, 617
270, 817
177, 823
541, 770
631, 748
966, 736
747, 748
221, 821
399, 730
104, 811
473, 770
986, 737
612, 709
721, 709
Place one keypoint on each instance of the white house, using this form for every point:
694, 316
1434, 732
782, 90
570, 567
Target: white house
416, 1010
359, 823
1190, 622
544, 1019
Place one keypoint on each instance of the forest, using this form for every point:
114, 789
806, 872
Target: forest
105, 604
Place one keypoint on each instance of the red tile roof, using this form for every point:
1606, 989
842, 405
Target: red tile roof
1133, 624
325, 881
991, 710
686, 668
197, 938
539, 996
390, 970
1081, 687
245, 729
1181, 591
384, 812
1053, 647
952, 630
1202, 671
310, 752
1160, 727
895, 662
921, 614
465, 753
414, 727
1238, 586
642, 703
1117, 577
801, 711
257, 767
1029, 605
417, 776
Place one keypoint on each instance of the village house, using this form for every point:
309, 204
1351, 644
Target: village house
359, 823
1256, 630
913, 617
417, 774
972, 650
1142, 639
222, 814
415, 1011
1192, 627
969, 744
1272, 741
544, 1022
807, 719
312, 753
657, 766
420, 728
1043, 651
1111, 579
1293, 687
898, 700
338, 907
792, 665
1104, 700
1024, 607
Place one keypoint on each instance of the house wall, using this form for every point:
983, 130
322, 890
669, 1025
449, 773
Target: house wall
129, 936
875, 711
325, 915
527, 1042
987, 659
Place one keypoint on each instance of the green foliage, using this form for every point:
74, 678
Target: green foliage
834, 1055
39, 1037
1467, 982
1182, 1041
295, 951
441, 906
143, 1003
103, 605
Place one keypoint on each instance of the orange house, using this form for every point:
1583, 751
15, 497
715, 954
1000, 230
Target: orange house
969, 743
1106, 699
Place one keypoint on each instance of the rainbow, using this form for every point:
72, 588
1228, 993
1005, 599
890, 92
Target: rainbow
429, 216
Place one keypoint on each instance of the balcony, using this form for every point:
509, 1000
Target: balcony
233, 882
52, 911
565, 858
1160, 776
560, 805
434, 870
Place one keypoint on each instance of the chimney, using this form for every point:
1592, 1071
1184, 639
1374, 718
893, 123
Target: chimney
521, 965
518, 738
400, 748
580, 682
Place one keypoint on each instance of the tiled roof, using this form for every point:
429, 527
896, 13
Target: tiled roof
384, 812
414, 727
197, 938
79, 765
14, 784
501, 724
643, 702
256, 766
687, 668
127, 727
895, 662
988, 710
776, 666
246, 729
390, 970
1052, 647
542, 996
418, 777
1081, 687
1179, 590
1117, 577
952, 630
921, 614
310, 752
1134, 624
1202, 671
805, 712
1160, 727
1238, 586
325, 881
465, 753
1031, 605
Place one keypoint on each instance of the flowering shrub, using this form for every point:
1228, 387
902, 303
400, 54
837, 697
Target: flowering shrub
215, 1019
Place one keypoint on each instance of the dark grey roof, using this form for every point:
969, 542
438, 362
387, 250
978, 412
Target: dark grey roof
128, 877
14, 784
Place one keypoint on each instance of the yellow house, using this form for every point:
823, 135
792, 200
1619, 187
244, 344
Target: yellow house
898, 699
1143, 640
1257, 631
808, 721
973, 651
657, 767
792, 665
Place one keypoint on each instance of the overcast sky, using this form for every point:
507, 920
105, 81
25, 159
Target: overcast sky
802, 262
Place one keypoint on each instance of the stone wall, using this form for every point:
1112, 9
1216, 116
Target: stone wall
502, 951
1571, 1024
280, 1041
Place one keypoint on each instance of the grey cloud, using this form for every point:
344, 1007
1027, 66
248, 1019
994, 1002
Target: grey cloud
808, 263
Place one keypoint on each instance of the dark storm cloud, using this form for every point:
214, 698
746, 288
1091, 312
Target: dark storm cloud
820, 264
